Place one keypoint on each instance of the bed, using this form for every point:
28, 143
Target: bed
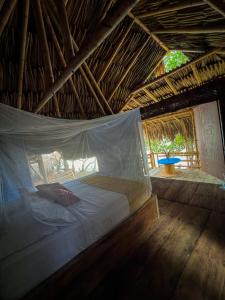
105, 202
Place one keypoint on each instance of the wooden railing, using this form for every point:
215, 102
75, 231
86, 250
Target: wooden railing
188, 159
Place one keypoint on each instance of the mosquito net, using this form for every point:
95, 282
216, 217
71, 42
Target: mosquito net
36, 149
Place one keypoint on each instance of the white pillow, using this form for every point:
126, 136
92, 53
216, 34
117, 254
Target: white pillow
49, 212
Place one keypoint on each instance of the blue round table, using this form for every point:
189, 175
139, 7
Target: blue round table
169, 164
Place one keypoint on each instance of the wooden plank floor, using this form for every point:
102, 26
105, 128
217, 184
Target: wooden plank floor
184, 258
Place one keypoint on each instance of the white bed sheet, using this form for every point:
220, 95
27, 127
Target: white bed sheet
96, 214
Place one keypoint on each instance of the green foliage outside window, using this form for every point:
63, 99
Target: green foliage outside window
174, 59
168, 146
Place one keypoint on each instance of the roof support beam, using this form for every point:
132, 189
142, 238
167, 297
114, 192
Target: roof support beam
40, 26
107, 66
128, 70
5, 13
150, 95
150, 33
217, 5
26, 5
63, 61
170, 84
116, 15
84, 66
171, 8
205, 93
189, 64
192, 30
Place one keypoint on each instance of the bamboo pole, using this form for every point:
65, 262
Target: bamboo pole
196, 74
43, 38
171, 8
63, 61
189, 64
26, 5
107, 66
69, 47
151, 96
128, 69
117, 14
169, 82
217, 5
5, 13
150, 33
192, 30
66, 36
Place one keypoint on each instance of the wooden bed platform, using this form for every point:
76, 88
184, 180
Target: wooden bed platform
83, 273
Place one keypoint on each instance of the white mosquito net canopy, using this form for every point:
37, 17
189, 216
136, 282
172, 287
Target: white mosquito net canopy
35, 149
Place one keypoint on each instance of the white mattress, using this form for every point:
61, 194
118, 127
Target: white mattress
49, 248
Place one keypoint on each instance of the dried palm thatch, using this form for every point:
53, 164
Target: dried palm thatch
170, 125
84, 58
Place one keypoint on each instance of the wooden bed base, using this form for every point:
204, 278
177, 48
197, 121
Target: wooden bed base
83, 273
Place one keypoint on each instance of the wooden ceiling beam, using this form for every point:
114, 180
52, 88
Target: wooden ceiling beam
192, 30
6, 12
196, 74
150, 95
189, 64
23, 42
172, 8
63, 61
208, 92
109, 63
217, 5
69, 42
128, 70
64, 23
170, 84
83, 67
40, 26
148, 31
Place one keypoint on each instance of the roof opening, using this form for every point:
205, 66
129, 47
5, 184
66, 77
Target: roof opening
174, 59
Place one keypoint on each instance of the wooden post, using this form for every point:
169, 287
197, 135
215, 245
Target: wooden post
26, 5
119, 11
5, 13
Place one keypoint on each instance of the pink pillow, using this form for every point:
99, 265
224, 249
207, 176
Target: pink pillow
58, 193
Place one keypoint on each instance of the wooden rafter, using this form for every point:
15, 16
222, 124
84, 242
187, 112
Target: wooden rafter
192, 30
207, 92
150, 95
134, 60
189, 64
148, 31
117, 14
108, 64
196, 74
63, 61
68, 42
5, 13
170, 84
66, 36
26, 5
44, 43
83, 68
170, 8
217, 5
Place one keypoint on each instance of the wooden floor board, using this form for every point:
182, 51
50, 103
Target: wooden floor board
176, 250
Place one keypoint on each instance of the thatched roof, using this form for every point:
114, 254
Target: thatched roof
168, 126
99, 54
